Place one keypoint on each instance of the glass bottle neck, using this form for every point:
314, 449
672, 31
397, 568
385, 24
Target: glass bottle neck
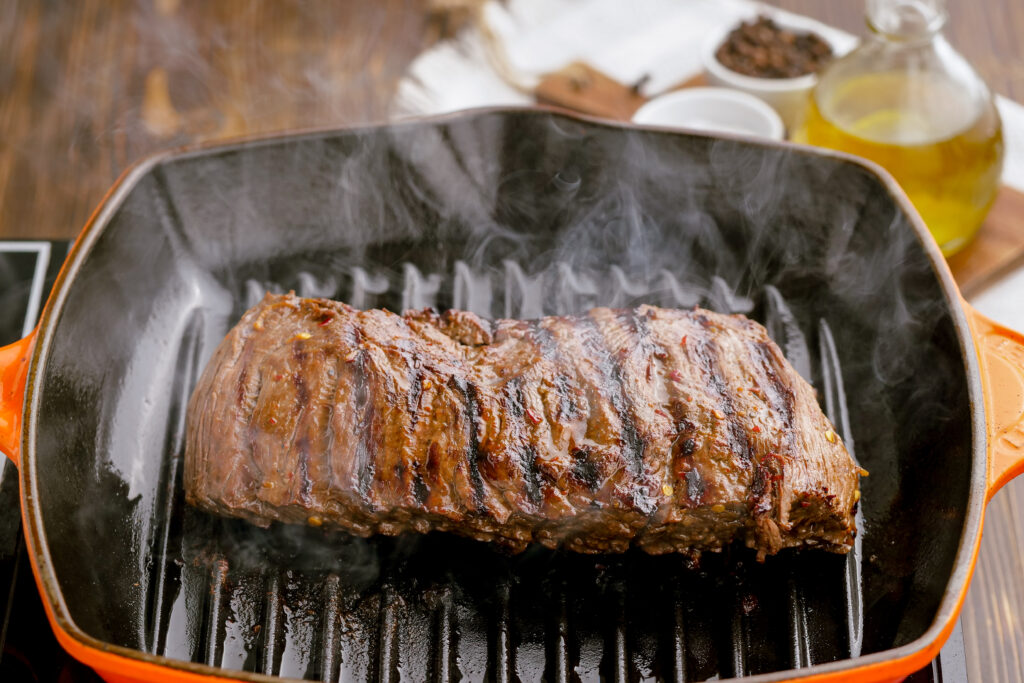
906, 19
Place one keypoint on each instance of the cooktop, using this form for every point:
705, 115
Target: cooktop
28, 649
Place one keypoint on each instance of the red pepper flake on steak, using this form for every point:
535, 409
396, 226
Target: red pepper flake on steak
551, 431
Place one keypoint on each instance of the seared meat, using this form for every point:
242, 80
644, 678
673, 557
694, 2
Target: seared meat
665, 429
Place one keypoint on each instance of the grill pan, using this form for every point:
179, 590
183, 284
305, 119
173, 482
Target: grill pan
514, 213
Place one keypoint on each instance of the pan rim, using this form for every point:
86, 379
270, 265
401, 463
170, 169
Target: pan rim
900, 660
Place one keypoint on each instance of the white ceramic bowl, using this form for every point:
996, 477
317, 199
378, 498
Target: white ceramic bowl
718, 110
788, 96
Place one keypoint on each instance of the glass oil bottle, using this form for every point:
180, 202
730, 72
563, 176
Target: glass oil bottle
908, 101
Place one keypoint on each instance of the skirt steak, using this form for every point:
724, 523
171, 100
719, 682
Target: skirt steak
664, 429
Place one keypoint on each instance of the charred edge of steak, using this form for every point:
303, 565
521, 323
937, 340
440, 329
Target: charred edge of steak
594, 341
708, 353
468, 392
366, 444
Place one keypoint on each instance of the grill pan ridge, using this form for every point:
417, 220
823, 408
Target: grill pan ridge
508, 214
411, 623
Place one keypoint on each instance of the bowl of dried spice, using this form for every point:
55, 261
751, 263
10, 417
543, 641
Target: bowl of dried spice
774, 59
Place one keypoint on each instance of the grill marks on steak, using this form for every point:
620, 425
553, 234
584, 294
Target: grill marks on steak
664, 429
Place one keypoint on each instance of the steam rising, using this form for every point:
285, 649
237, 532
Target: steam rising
507, 216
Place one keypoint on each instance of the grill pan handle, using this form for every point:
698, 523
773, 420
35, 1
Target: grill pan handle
14, 360
1001, 355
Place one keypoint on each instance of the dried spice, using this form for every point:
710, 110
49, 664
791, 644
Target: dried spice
763, 49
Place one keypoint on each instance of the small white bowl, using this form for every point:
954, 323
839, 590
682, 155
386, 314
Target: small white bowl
787, 95
718, 110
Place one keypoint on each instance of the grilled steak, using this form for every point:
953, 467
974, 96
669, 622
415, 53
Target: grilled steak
665, 429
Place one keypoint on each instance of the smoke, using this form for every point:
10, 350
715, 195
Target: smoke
506, 215
521, 216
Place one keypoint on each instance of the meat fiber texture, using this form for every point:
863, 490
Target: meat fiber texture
664, 429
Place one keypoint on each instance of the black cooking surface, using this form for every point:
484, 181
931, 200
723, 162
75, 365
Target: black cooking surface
29, 650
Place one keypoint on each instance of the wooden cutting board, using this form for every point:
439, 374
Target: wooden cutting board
998, 248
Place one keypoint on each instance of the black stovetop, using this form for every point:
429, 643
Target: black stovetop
28, 649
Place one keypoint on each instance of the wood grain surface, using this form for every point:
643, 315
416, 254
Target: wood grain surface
997, 250
87, 87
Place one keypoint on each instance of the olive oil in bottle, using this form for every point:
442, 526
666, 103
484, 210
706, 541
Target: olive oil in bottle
905, 100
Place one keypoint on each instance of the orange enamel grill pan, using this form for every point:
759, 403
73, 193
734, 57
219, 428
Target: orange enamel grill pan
510, 213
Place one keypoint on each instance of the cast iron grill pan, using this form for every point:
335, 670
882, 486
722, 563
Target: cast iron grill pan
507, 215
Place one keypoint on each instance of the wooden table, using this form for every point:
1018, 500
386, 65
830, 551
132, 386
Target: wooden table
87, 87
